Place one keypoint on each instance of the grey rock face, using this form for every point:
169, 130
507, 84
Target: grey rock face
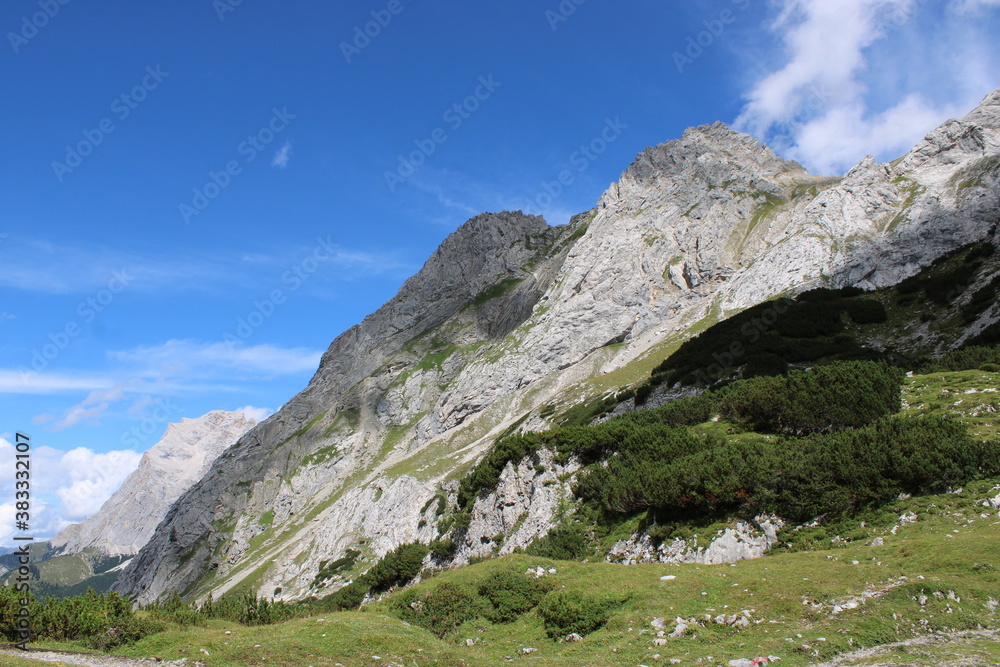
510, 316
524, 507
128, 519
742, 541
370, 386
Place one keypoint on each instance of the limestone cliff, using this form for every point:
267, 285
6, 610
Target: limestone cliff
511, 319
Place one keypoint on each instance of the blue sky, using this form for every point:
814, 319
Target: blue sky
199, 196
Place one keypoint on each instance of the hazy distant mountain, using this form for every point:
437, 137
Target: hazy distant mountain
127, 520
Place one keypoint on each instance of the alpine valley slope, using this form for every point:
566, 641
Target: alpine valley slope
511, 319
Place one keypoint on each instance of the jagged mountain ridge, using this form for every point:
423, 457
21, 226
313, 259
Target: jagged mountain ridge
510, 315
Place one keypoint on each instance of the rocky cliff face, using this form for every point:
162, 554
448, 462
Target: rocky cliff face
511, 319
530, 498
128, 519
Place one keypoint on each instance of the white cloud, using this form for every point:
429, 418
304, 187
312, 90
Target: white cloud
256, 414
282, 155
92, 478
23, 381
172, 367
67, 486
45, 521
823, 105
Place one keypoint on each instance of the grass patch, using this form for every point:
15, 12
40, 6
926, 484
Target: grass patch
496, 291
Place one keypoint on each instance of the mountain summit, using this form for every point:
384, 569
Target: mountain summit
511, 320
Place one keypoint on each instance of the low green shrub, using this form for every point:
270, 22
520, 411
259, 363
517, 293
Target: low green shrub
347, 597
511, 594
442, 550
567, 612
567, 542
965, 359
442, 610
329, 569
765, 365
102, 621
175, 610
840, 395
396, 567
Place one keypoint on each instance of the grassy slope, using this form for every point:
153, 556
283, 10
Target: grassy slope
951, 547
971, 396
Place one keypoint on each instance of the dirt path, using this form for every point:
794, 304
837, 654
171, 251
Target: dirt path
89, 659
950, 639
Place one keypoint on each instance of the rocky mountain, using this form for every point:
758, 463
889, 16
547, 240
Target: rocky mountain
128, 519
511, 321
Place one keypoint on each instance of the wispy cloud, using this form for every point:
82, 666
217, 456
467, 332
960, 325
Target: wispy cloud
92, 408
282, 155
446, 186
192, 359
973, 5
58, 269
143, 376
29, 382
82, 269
173, 367
822, 105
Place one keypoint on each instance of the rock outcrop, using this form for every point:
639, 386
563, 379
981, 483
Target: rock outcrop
511, 319
741, 541
530, 498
